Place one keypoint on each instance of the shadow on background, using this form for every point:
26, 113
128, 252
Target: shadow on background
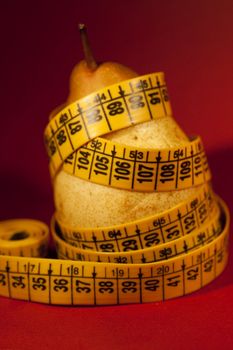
221, 165
20, 198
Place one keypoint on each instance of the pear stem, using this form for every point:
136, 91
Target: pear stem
91, 62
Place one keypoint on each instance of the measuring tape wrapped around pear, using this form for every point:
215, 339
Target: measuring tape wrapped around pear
138, 109
136, 217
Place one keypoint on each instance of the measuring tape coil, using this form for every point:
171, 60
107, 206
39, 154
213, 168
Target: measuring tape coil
155, 258
24, 237
70, 282
133, 253
104, 162
118, 106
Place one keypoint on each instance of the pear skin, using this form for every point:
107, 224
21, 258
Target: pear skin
88, 76
84, 81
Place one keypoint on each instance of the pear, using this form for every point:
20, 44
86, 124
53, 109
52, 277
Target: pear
85, 204
87, 76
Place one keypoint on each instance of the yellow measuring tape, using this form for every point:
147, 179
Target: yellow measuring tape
71, 282
116, 107
24, 237
112, 164
155, 258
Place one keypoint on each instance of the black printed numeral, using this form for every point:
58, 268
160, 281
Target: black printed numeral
38, 283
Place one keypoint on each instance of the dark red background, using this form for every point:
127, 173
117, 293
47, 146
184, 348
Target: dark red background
192, 42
